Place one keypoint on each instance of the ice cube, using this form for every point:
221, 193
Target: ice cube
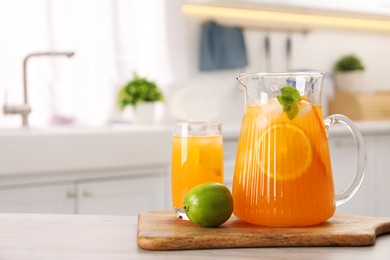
272, 107
305, 108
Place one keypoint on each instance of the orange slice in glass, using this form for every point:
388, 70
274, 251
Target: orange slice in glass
285, 151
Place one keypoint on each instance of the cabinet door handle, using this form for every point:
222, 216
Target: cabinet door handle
70, 195
87, 194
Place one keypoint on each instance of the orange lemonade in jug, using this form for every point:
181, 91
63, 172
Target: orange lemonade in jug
283, 173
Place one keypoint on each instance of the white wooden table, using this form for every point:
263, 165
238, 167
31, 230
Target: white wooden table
38, 236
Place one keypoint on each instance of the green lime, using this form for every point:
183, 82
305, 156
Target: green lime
209, 204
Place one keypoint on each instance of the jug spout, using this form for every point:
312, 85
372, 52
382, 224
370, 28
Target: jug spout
242, 79
252, 85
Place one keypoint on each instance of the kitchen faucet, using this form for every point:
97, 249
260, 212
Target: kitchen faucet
25, 109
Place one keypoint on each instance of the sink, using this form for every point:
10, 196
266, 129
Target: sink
59, 149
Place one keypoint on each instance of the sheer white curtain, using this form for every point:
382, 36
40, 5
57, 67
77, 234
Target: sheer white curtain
110, 38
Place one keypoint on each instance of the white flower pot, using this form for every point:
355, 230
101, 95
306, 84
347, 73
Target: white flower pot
352, 81
144, 113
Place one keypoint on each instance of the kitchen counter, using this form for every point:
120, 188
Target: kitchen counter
71, 149
37, 236
367, 128
68, 149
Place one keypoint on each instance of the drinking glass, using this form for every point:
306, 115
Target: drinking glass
197, 157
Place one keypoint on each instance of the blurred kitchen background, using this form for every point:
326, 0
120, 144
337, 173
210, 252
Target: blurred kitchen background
81, 154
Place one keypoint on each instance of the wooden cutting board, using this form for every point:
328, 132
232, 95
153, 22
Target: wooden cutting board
160, 230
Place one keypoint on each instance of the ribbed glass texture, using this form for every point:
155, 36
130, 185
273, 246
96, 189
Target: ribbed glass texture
283, 175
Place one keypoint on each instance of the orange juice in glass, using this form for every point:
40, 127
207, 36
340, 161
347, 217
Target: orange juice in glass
197, 157
283, 175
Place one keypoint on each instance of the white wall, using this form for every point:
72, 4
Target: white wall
316, 50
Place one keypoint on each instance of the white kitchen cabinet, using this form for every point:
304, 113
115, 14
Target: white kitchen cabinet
113, 195
344, 165
230, 150
44, 198
373, 197
118, 188
123, 196
101, 170
382, 175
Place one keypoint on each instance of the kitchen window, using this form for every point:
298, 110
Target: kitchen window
110, 38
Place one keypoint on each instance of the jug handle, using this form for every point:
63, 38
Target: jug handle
354, 186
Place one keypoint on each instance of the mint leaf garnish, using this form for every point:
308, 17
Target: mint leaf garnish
292, 112
289, 99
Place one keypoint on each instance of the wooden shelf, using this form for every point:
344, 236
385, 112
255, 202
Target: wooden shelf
286, 19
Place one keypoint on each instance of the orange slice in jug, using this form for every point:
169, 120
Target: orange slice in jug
285, 151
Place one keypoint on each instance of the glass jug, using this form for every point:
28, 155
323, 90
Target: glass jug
283, 175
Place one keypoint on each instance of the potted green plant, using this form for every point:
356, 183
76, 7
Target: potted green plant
141, 94
349, 74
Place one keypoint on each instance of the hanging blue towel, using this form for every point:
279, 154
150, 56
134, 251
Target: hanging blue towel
221, 47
